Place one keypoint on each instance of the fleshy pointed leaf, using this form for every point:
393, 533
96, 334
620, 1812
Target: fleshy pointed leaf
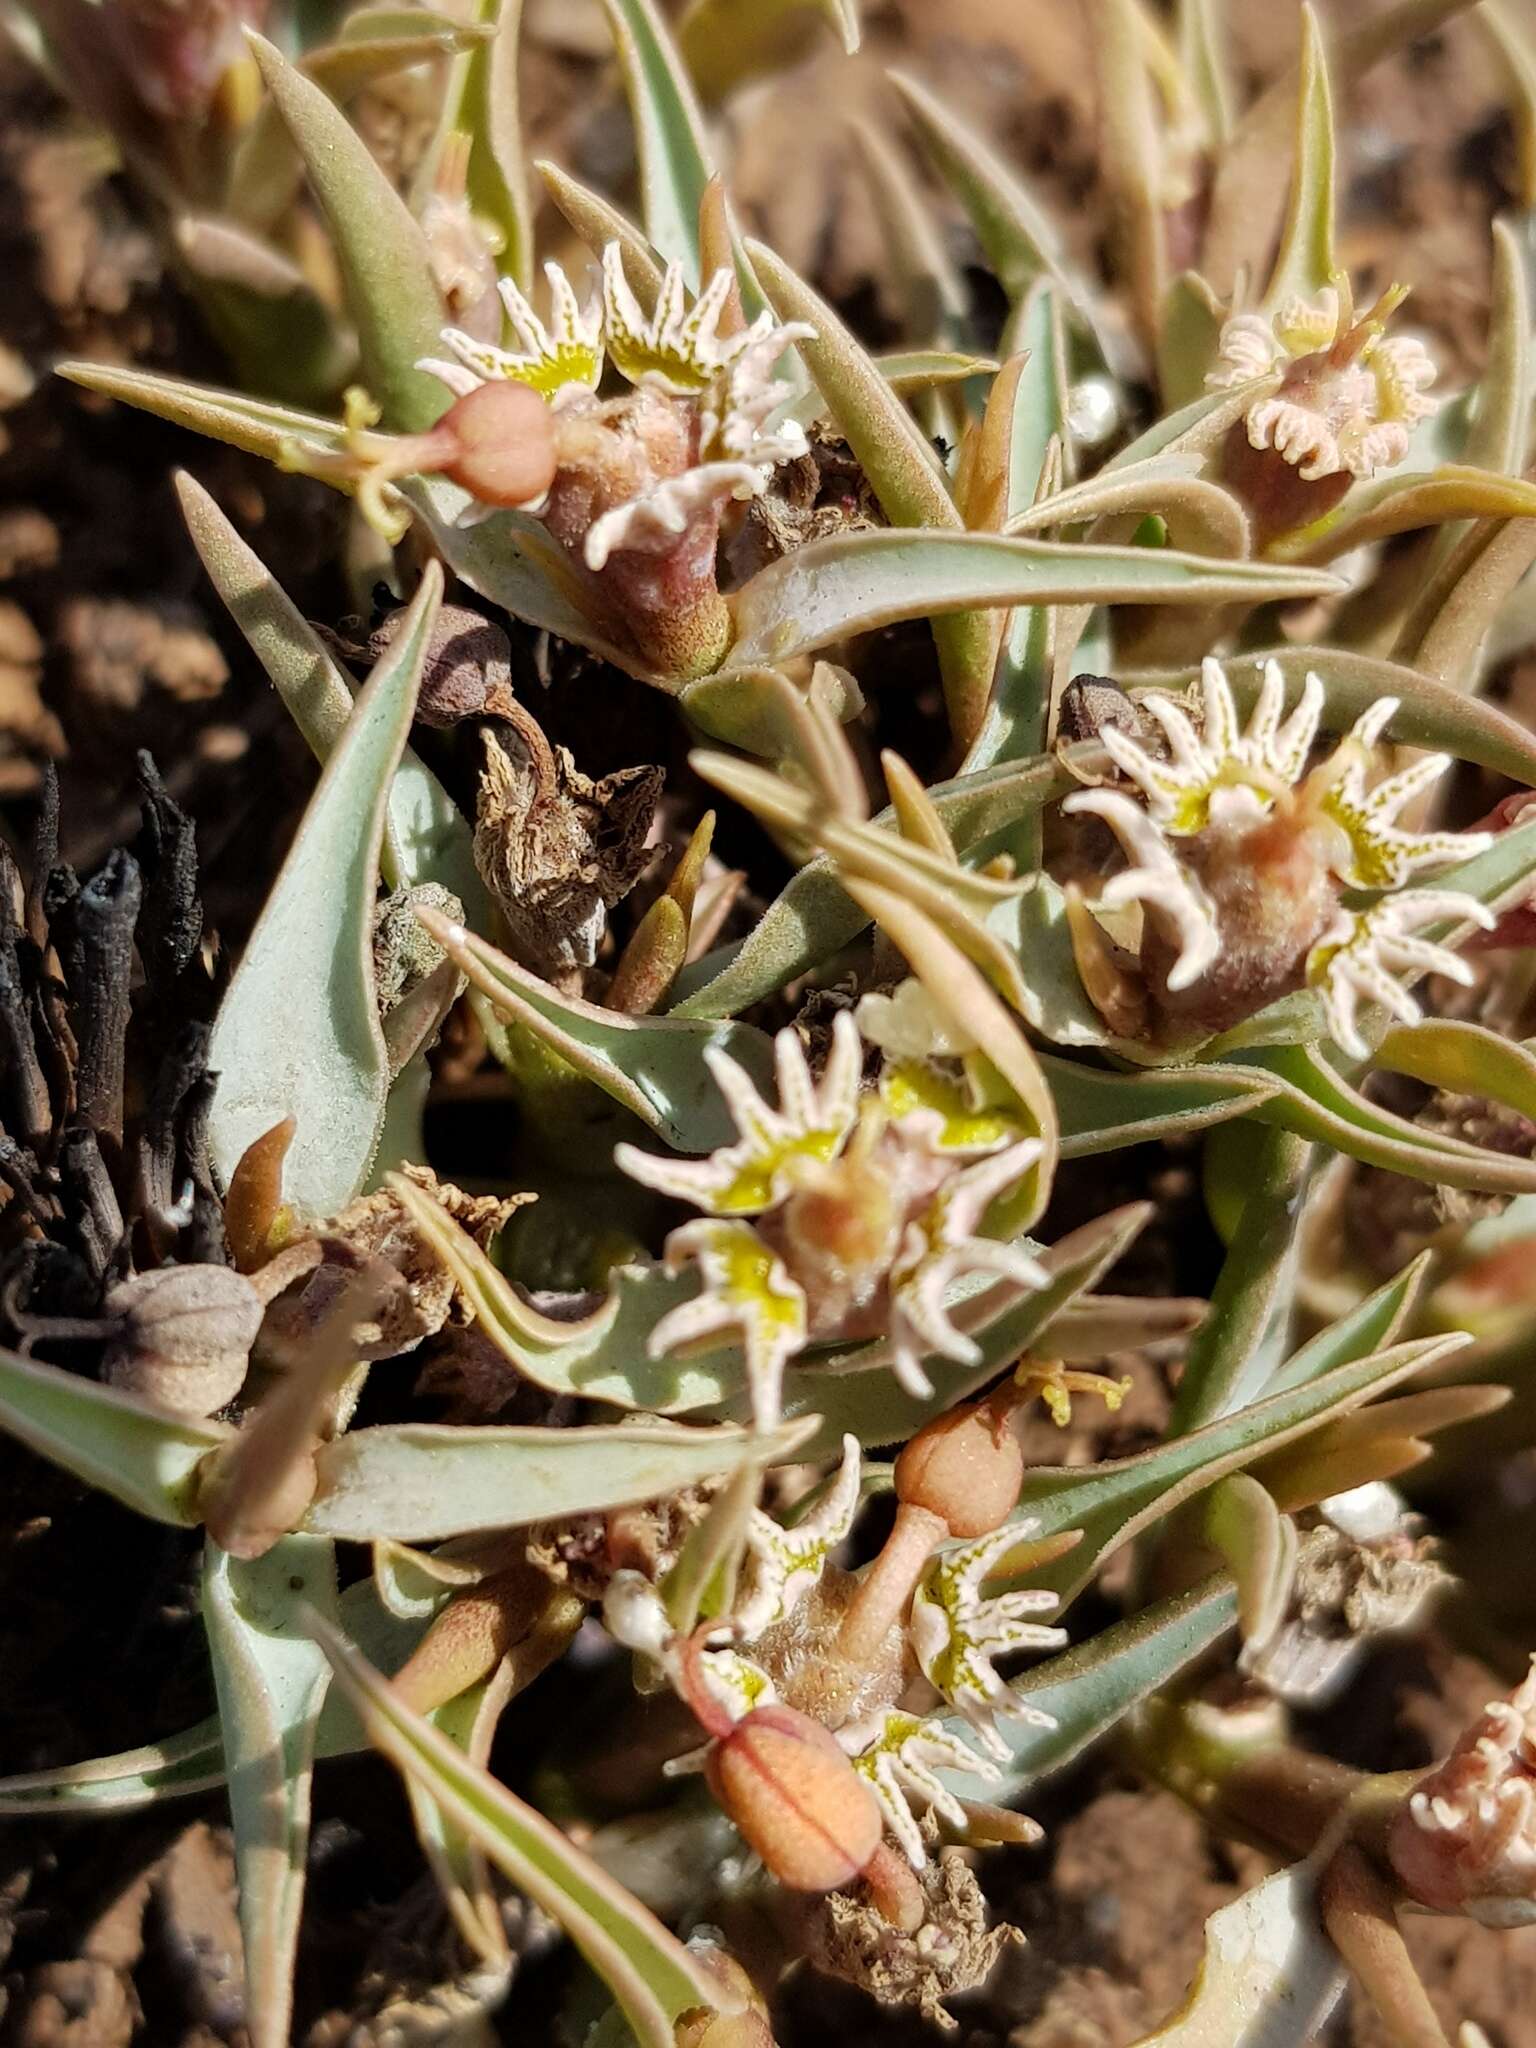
1269, 1977
385, 269
426, 837
724, 42
139, 1454
1088, 1689
652, 1066
311, 958
271, 1678
856, 582
648, 1970
1306, 262
418, 1482
669, 132
1375, 1324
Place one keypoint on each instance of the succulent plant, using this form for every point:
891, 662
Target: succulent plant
1219, 890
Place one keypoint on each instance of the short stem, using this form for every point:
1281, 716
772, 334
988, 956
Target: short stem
887, 1586
893, 1886
502, 1616
1359, 1911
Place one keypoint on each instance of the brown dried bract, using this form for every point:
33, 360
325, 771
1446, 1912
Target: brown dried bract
557, 849
953, 1951
377, 1226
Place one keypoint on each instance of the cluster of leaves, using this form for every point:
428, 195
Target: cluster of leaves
1143, 478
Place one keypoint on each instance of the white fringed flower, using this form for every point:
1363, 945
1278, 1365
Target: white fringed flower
1363, 951
1466, 1840
562, 361
1353, 414
1222, 770
654, 522
901, 1755
1154, 878
812, 1121
956, 1633
744, 1292
1382, 855
937, 1248
786, 1563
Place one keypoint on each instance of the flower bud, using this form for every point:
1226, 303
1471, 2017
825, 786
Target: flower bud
185, 1335
503, 449
966, 1467
1465, 1840
794, 1795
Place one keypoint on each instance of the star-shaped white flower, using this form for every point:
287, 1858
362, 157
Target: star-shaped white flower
1154, 878
901, 1755
812, 1121
744, 1292
956, 1633
1362, 951
787, 1563
558, 361
940, 1245
1382, 855
1221, 770
653, 523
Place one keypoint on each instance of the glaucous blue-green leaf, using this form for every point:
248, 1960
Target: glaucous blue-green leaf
1088, 1689
194, 1760
385, 268
902, 468
1200, 516
652, 1066
1431, 713
1315, 1102
1101, 1111
426, 837
1229, 1356
649, 1972
1372, 1325
1016, 232
856, 582
1269, 1976
1113, 1501
511, 559
259, 426
271, 1678
813, 916
1306, 262
141, 1455
1464, 1059
298, 1032
669, 132
420, 1481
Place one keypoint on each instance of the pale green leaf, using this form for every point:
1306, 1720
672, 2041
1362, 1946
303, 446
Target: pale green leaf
1306, 262
1227, 1365
385, 269
1102, 1111
1405, 502
1269, 1977
1113, 1501
669, 132
311, 958
902, 469
724, 42
426, 837
856, 582
417, 1482
647, 1969
271, 1677
1372, 1325
598, 223
653, 1066
1241, 1523
814, 916
1088, 1689
1463, 1059
139, 1454
260, 426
